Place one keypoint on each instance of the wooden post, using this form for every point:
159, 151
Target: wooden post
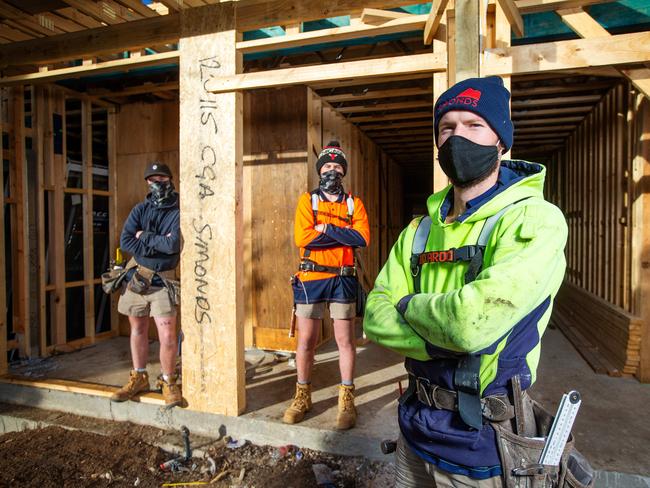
3, 282
440, 84
211, 214
88, 258
641, 236
467, 39
502, 36
113, 229
21, 227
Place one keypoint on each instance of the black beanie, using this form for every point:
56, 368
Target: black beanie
332, 154
486, 97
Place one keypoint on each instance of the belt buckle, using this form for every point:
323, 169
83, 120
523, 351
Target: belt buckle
434, 400
423, 387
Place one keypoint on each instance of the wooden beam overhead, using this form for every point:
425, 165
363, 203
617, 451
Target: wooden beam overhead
513, 15
139, 7
561, 88
582, 23
401, 24
587, 27
535, 6
406, 116
102, 12
551, 111
379, 16
366, 69
384, 134
433, 20
375, 94
559, 55
361, 84
384, 106
134, 90
93, 42
92, 69
537, 130
551, 121
555, 101
399, 125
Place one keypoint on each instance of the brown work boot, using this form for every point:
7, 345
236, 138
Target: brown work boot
301, 404
347, 415
171, 391
138, 383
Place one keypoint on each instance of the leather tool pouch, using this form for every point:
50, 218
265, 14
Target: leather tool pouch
174, 290
113, 279
520, 454
141, 280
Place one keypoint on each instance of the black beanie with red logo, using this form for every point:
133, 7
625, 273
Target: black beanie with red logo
486, 97
332, 154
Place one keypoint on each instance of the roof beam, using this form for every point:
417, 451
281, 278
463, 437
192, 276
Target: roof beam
92, 42
101, 12
555, 101
581, 53
534, 6
373, 94
92, 69
587, 27
373, 118
433, 21
366, 69
402, 24
379, 16
399, 125
513, 15
384, 106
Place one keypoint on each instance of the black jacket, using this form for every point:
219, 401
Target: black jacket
159, 245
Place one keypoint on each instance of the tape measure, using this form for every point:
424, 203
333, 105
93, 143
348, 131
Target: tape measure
561, 428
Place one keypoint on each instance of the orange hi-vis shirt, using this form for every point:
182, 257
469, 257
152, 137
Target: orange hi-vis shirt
335, 246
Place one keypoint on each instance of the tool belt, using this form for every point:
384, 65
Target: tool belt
113, 279
496, 408
309, 265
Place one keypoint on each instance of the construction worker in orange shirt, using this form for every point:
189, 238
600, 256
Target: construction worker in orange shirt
329, 226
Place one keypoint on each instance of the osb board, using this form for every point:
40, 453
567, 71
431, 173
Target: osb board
145, 133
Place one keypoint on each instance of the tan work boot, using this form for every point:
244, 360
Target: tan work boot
138, 383
171, 391
301, 404
347, 415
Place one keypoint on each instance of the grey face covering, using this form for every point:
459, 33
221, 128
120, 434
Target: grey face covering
161, 191
331, 182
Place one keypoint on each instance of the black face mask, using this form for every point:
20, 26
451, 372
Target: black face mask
161, 191
331, 182
465, 162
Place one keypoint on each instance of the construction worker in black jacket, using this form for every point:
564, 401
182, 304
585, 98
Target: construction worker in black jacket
152, 236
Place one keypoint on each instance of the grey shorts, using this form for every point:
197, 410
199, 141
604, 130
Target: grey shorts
340, 311
154, 303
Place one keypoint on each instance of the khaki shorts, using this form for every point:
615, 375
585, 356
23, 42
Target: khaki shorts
340, 311
154, 303
414, 472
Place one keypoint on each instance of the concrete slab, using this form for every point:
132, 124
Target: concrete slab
612, 429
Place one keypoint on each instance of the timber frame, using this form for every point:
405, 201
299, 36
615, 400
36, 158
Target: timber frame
457, 39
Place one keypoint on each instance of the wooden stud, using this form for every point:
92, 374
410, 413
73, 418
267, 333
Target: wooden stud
467, 39
3, 277
113, 229
57, 224
211, 215
87, 199
641, 241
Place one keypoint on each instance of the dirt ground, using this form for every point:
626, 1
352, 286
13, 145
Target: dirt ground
56, 457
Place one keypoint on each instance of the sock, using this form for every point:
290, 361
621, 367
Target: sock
301, 382
347, 382
141, 370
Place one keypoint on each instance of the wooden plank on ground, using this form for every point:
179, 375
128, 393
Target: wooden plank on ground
211, 214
